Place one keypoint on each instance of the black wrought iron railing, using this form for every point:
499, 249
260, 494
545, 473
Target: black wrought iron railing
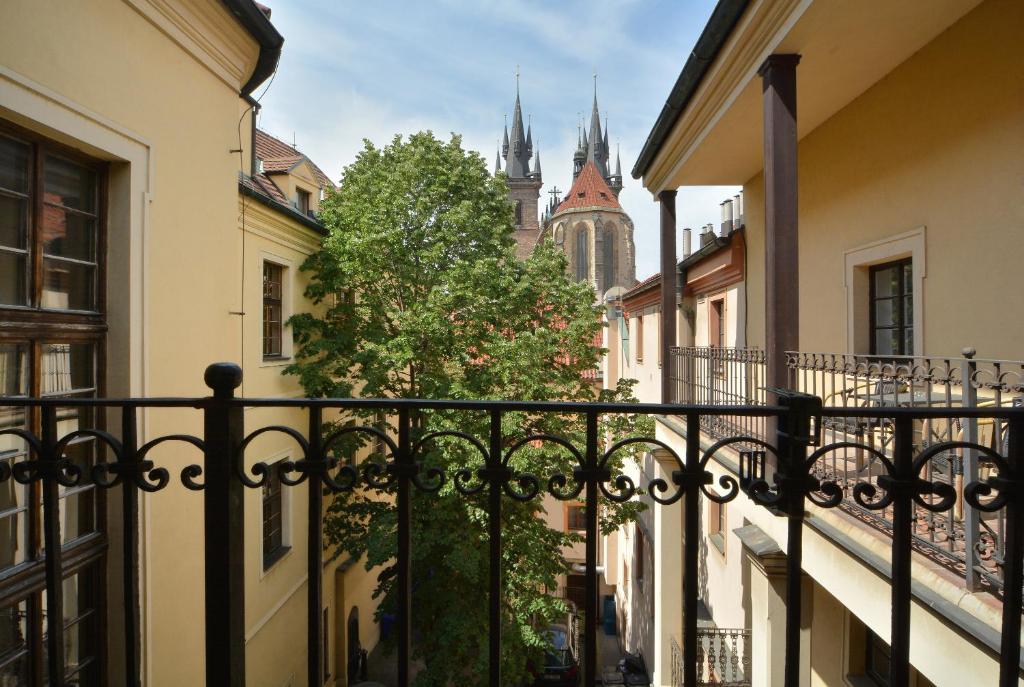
778, 474
968, 541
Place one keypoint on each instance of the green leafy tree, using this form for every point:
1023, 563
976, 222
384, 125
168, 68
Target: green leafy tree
420, 295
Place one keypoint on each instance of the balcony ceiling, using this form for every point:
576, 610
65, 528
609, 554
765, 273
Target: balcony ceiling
846, 47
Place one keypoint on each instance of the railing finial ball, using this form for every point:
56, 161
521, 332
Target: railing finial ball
223, 378
968, 351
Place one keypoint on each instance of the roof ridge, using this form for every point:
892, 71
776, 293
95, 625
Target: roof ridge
290, 152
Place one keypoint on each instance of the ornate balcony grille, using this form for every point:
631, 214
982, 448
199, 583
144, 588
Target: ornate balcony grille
904, 481
966, 540
723, 658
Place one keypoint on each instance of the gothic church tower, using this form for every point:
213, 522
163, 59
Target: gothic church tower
524, 181
588, 224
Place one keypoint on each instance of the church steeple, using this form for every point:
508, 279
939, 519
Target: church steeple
519, 143
596, 143
615, 180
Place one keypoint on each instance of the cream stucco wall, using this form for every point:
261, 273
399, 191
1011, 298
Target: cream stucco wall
933, 145
153, 87
642, 363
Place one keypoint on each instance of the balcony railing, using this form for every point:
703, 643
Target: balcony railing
724, 658
967, 540
221, 477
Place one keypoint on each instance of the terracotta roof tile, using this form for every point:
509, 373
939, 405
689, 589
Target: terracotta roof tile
278, 156
643, 285
589, 190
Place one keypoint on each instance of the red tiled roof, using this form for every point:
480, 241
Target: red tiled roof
643, 285
278, 156
589, 190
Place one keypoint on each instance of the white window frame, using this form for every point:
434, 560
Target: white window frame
856, 282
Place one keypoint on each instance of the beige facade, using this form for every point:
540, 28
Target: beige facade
151, 89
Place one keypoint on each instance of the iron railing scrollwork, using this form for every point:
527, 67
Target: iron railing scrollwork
904, 482
967, 540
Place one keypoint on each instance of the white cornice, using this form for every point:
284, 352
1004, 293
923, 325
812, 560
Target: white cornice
763, 27
206, 31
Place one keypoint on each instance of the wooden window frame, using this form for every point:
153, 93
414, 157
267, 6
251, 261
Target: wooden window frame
905, 290
269, 302
304, 201
717, 525
273, 552
33, 326
639, 337
638, 558
573, 511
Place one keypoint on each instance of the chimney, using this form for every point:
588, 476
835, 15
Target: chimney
707, 234
737, 209
726, 217
687, 242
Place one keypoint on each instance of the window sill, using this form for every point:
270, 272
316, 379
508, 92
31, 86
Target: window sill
718, 541
274, 557
275, 361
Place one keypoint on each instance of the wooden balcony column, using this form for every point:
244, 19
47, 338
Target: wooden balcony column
782, 295
667, 201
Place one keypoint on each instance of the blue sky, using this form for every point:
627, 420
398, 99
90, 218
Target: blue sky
354, 70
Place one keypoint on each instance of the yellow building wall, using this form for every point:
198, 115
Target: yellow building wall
934, 144
159, 99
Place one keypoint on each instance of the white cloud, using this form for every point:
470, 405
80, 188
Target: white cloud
371, 70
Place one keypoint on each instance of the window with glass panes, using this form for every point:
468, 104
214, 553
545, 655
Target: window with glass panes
273, 520
273, 276
52, 329
892, 308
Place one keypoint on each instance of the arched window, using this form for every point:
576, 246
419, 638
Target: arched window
609, 257
582, 253
519, 213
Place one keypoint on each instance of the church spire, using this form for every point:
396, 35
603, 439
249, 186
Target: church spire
504, 145
596, 148
615, 180
536, 164
497, 161
517, 157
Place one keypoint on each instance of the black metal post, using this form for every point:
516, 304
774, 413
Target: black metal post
403, 502
1013, 571
130, 524
793, 435
494, 532
691, 546
224, 530
902, 525
53, 564
315, 553
590, 607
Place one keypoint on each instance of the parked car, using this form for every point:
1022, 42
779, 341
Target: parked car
561, 669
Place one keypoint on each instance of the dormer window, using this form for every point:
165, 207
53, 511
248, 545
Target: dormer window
302, 198
259, 166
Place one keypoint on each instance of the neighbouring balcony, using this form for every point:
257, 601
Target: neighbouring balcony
723, 655
905, 466
969, 541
